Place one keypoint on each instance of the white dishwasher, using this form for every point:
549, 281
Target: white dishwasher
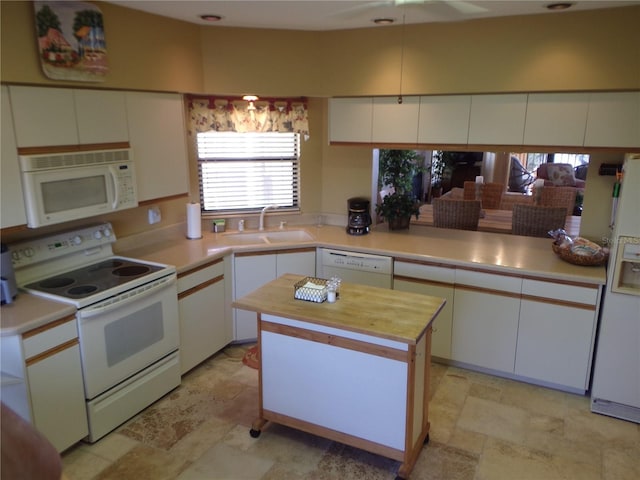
354, 267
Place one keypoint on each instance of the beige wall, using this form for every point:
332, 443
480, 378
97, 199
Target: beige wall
596, 50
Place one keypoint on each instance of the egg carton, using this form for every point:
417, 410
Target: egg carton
311, 289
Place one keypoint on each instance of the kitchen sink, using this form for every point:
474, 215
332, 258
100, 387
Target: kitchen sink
253, 238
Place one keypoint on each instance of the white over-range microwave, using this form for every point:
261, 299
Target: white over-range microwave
60, 187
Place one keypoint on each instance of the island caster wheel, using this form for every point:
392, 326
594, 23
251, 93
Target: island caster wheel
426, 439
254, 433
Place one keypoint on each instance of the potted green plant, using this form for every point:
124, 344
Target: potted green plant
397, 169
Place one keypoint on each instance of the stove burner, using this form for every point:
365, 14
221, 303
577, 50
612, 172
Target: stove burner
108, 264
56, 282
131, 270
82, 290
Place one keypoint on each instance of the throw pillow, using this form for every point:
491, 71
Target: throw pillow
561, 174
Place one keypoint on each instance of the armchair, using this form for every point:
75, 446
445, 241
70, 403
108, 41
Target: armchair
559, 175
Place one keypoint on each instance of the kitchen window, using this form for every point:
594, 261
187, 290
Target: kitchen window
242, 172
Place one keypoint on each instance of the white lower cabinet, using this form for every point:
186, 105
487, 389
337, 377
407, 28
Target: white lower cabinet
485, 319
204, 325
436, 281
47, 361
254, 269
556, 333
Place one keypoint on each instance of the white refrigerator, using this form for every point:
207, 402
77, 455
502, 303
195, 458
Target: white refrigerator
615, 389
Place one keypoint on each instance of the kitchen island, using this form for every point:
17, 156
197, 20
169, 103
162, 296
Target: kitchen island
354, 371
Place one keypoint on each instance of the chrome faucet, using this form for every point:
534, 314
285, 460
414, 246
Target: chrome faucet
261, 227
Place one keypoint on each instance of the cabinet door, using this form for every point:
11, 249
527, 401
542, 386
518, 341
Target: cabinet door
44, 116
157, 135
497, 119
395, 122
556, 333
250, 272
444, 119
437, 282
613, 120
101, 115
203, 329
57, 397
11, 200
350, 119
556, 119
485, 320
301, 263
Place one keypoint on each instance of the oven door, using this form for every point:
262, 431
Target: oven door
124, 334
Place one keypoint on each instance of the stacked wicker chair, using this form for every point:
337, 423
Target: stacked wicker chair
469, 190
460, 214
535, 220
492, 195
559, 197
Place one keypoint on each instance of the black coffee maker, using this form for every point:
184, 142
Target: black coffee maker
359, 218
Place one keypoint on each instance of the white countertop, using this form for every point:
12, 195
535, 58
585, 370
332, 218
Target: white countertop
488, 251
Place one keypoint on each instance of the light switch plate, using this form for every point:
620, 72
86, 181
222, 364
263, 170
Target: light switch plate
154, 215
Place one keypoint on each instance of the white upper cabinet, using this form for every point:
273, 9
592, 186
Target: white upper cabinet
444, 119
11, 201
556, 119
101, 116
157, 135
350, 119
497, 119
395, 122
62, 116
613, 120
44, 116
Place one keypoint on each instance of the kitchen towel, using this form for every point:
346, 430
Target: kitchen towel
194, 222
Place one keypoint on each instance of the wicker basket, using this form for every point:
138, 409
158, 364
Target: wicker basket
311, 289
565, 253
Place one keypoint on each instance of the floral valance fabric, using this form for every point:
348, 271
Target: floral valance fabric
224, 114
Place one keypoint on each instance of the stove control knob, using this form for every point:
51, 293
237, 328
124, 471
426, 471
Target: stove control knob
97, 234
107, 232
77, 240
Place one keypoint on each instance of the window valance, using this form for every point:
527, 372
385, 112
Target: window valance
234, 114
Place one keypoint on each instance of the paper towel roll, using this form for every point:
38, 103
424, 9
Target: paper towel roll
194, 222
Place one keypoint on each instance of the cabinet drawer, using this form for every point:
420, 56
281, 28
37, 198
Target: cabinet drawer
49, 336
424, 272
558, 291
200, 275
488, 281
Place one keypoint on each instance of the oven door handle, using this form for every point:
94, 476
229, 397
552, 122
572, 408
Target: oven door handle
126, 298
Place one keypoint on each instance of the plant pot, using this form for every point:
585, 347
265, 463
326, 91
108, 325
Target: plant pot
399, 223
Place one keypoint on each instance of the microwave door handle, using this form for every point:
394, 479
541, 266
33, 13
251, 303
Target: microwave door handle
114, 186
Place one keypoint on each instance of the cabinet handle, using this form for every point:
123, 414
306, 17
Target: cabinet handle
51, 352
197, 288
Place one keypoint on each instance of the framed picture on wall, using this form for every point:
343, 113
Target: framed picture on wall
71, 41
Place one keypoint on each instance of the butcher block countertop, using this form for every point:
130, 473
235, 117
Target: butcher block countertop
359, 308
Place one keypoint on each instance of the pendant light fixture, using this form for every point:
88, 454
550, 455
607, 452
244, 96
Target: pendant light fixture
401, 58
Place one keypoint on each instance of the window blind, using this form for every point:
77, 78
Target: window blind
243, 172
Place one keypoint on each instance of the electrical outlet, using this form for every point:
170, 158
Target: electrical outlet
154, 215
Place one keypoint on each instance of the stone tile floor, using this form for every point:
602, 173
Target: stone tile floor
482, 428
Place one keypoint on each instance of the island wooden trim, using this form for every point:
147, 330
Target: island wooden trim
199, 287
335, 340
331, 434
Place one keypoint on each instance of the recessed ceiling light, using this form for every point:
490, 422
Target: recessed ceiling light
383, 21
211, 18
559, 6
